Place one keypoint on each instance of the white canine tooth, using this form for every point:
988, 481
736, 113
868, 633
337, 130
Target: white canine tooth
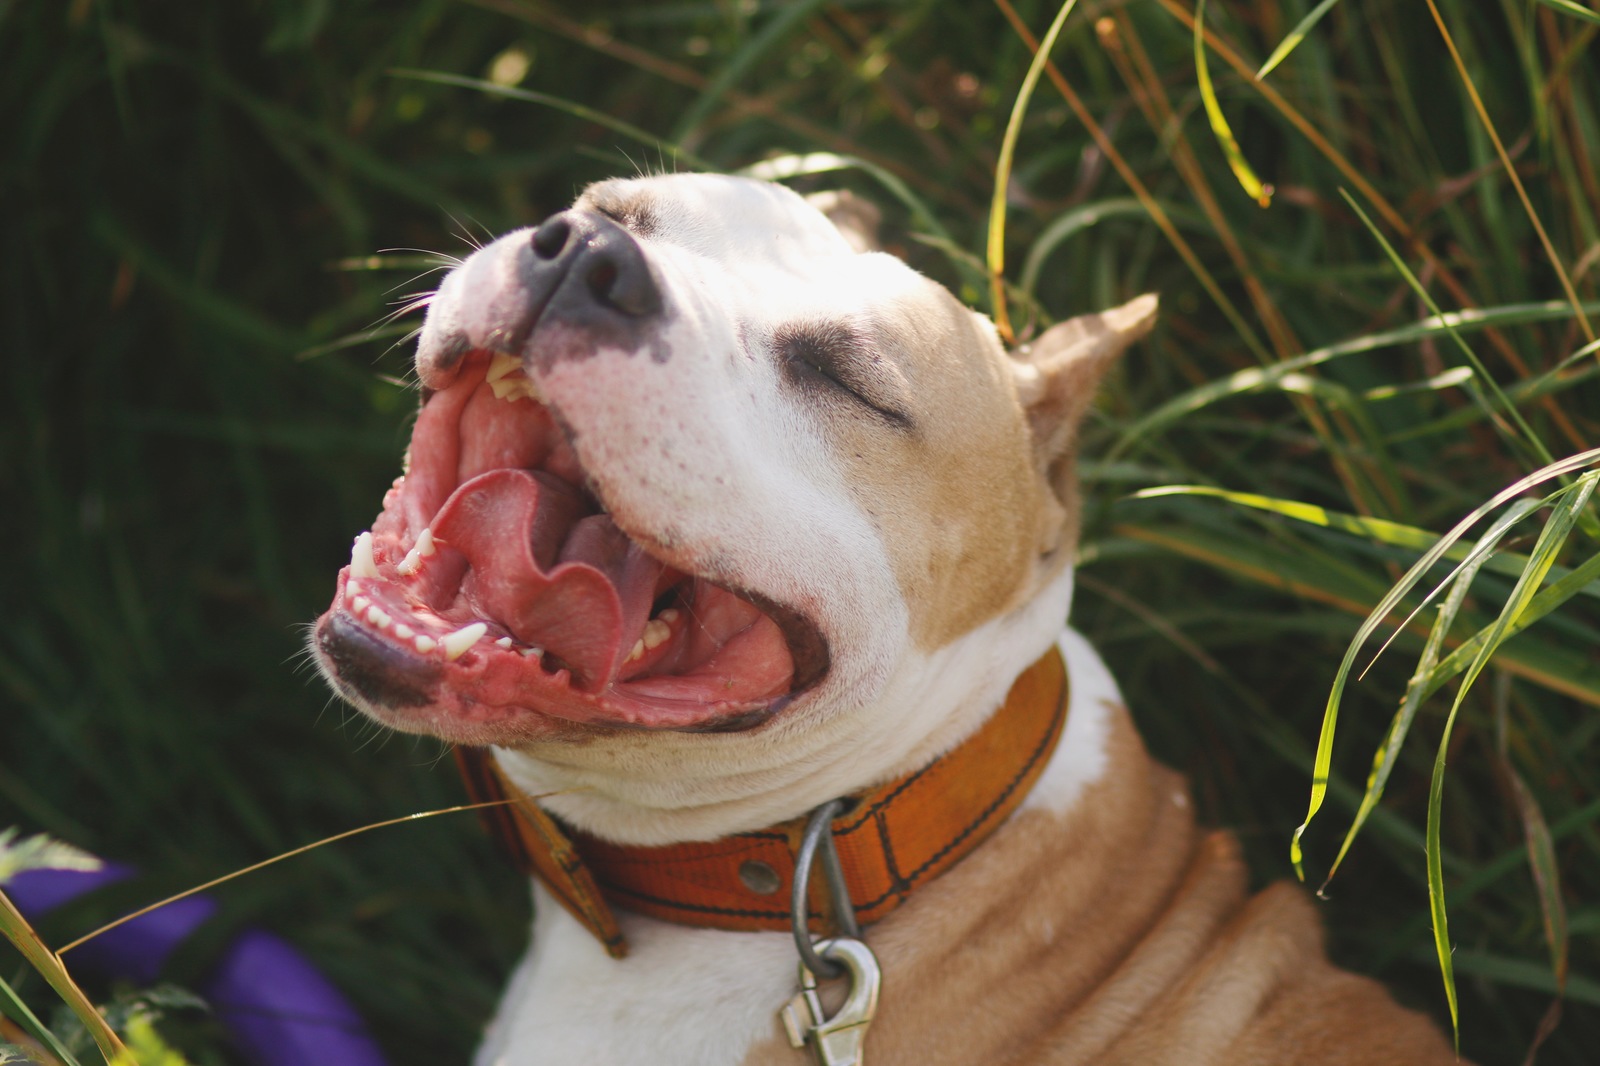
360, 603
502, 364
656, 633
403, 632
508, 381
637, 652
424, 643
362, 564
378, 616
526, 652
504, 642
456, 644
423, 548
669, 615
515, 388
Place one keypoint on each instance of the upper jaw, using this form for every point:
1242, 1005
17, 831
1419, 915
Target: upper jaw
590, 620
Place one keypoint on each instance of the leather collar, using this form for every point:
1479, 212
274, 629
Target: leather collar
894, 838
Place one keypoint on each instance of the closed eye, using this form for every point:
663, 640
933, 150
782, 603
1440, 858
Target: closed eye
836, 358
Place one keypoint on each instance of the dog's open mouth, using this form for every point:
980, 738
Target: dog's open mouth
495, 593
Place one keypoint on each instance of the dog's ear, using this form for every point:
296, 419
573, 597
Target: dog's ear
1059, 373
857, 219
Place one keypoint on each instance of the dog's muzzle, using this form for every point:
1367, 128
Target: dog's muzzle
579, 274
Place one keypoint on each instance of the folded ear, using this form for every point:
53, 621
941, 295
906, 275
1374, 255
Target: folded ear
1059, 373
857, 219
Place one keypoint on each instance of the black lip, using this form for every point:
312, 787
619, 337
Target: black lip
372, 668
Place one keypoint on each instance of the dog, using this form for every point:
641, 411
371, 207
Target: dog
709, 517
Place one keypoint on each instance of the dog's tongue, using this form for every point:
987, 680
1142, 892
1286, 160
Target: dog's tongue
554, 575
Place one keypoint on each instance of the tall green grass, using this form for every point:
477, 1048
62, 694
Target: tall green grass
204, 402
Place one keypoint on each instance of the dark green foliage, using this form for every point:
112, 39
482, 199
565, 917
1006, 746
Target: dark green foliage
194, 427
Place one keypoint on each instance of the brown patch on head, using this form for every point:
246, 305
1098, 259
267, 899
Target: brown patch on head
973, 490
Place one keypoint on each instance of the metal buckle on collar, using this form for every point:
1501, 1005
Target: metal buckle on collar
835, 1040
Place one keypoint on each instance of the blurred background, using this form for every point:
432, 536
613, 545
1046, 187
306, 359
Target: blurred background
208, 211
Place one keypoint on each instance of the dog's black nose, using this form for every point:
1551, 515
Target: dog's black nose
600, 266
552, 236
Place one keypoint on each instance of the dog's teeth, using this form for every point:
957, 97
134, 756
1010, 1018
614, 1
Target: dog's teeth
637, 652
403, 632
423, 548
360, 604
456, 644
532, 652
362, 564
504, 642
378, 616
502, 364
669, 615
424, 643
508, 381
656, 633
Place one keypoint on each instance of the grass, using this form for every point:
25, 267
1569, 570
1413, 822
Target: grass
205, 403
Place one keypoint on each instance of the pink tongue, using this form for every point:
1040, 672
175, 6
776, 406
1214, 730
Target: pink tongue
557, 579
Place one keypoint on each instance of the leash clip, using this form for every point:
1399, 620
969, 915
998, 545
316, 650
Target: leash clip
836, 1041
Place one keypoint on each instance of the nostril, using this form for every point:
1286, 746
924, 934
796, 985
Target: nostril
602, 278
622, 282
551, 236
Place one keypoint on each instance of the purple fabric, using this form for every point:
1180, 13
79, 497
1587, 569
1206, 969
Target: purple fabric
278, 1008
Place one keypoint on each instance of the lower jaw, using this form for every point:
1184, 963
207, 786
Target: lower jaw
490, 696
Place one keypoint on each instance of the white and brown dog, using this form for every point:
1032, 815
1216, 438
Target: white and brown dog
710, 518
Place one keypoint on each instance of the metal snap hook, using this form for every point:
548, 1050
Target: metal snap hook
836, 1040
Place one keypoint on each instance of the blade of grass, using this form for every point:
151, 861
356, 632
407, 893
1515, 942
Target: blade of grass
49, 966
1551, 539
1388, 753
1576, 10
252, 868
1353, 174
1324, 756
1377, 530
1140, 191
1002, 172
1542, 864
1531, 439
1511, 172
17, 1010
588, 114
1256, 378
1578, 580
1252, 186
1292, 41
767, 38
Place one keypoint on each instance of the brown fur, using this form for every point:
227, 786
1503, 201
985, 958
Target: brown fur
1121, 933
1001, 457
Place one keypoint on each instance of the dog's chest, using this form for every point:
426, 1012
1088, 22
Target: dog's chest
683, 996
706, 997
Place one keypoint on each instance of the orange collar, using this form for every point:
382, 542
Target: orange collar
895, 837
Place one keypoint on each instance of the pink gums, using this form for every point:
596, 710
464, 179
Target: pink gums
580, 624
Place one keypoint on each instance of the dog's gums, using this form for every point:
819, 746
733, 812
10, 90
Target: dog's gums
496, 600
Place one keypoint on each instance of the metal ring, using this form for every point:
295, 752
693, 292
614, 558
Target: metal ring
819, 833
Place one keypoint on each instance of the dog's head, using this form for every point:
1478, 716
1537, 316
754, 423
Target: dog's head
688, 461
